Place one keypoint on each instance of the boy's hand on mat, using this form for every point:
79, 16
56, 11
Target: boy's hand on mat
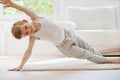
114, 60
15, 69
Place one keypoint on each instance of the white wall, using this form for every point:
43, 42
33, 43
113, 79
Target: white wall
1, 40
1, 9
91, 3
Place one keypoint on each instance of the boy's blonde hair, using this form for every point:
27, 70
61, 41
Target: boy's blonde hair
16, 32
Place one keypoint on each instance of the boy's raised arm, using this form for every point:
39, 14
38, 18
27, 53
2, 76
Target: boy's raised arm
9, 3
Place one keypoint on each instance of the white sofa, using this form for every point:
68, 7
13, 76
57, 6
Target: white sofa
100, 26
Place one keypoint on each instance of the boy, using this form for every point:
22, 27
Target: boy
66, 41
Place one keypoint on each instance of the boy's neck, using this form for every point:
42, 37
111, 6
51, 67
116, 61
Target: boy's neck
37, 26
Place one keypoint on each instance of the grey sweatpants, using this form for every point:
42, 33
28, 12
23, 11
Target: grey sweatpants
73, 46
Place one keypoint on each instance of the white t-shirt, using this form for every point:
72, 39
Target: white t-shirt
49, 31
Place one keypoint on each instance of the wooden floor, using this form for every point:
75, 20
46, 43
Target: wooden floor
10, 62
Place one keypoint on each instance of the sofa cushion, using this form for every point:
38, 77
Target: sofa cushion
92, 18
100, 39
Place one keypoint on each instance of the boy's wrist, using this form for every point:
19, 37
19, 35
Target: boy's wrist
21, 66
12, 5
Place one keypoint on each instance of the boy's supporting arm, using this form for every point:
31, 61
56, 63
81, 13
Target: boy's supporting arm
28, 51
26, 55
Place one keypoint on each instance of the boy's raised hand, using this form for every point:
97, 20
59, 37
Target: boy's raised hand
7, 3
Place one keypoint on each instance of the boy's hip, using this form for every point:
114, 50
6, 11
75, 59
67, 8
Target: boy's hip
67, 39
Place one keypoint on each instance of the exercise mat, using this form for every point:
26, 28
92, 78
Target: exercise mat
62, 64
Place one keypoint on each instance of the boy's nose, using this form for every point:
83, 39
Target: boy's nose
29, 30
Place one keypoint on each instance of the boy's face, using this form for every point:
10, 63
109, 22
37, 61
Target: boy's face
26, 29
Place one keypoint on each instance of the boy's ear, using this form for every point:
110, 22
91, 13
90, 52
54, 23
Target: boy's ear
24, 20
